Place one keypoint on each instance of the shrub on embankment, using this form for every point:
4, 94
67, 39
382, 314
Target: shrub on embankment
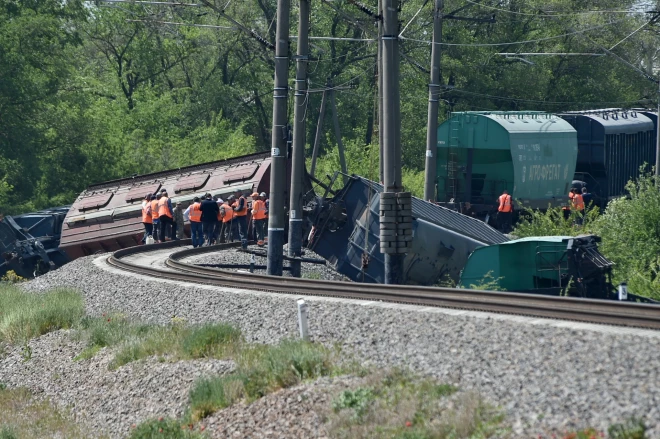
26, 315
262, 369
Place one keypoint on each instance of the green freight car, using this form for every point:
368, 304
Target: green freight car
531, 154
549, 265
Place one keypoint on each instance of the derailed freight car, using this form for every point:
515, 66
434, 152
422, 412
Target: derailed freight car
548, 265
346, 233
29, 243
107, 216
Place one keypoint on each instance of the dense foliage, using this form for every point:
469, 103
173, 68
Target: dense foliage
91, 91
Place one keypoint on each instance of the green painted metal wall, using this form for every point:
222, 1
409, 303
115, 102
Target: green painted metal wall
531, 154
520, 265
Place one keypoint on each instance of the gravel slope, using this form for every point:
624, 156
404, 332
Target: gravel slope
547, 379
106, 402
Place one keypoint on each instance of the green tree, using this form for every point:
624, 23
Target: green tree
630, 228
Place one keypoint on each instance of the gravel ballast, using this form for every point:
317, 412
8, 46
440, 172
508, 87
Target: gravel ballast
105, 402
547, 379
308, 270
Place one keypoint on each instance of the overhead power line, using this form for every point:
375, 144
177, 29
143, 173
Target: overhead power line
512, 43
565, 14
145, 2
549, 54
173, 23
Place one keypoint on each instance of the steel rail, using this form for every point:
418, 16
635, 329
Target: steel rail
530, 305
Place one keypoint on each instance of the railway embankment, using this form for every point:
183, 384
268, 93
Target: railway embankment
546, 378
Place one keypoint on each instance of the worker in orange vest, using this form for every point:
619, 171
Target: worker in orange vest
240, 216
165, 215
227, 216
146, 218
259, 217
266, 201
505, 211
154, 216
194, 214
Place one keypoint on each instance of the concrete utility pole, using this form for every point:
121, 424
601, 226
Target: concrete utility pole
279, 136
434, 92
380, 89
298, 162
391, 146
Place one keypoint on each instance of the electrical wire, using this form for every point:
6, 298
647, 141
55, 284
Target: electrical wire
414, 16
604, 11
634, 32
512, 43
541, 102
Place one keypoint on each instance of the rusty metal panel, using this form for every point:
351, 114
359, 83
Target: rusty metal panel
140, 191
119, 223
191, 182
95, 201
240, 173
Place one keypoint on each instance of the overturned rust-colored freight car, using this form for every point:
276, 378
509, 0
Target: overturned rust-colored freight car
107, 216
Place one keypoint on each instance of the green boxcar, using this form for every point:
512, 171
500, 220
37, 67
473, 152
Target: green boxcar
531, 154
523, 265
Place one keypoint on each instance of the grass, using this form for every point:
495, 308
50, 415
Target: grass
631, 429
260, 371
24, 316
165, 429
23, 417
136, 341
398, 405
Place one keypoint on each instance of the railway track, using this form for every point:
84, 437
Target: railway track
582, 310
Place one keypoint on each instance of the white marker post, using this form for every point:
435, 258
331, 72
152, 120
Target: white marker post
623, 291
302, 319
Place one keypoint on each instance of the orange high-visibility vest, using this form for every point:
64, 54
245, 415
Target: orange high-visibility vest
229, 213
243, 211
505, 203
154, 209
163, 210
258, 210
146, 213
578, 202
195, 214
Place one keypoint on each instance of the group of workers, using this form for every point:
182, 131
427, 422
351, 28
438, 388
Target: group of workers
212, 219
577, 198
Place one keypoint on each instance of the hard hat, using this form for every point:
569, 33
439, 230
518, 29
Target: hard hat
263, 194
255, 194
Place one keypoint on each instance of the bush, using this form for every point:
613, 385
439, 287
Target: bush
630, 228
553, 223
210, 340
165, 429
357, 400
399, 405
261, 370
631, 429
139, 341
27, 315
12, 278
7, 433
211, 394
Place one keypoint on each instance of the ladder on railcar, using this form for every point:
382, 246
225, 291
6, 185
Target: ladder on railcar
452, 157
